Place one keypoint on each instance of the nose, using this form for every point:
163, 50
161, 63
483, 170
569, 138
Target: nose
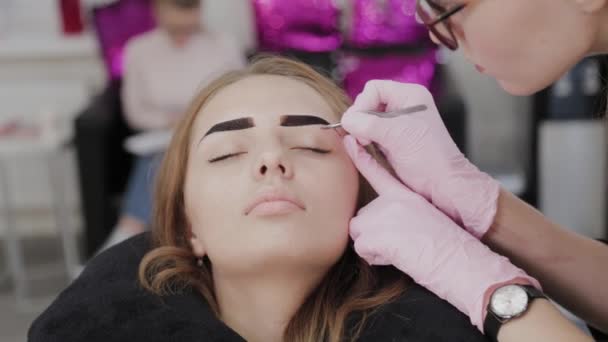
273, 164
458, 33
434, 38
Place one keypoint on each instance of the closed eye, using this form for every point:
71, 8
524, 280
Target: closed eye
313, 149
230, 155
225, 156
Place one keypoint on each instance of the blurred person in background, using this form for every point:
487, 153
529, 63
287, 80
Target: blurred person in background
163, 69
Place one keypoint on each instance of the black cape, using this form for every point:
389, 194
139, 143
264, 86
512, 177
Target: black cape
106, 304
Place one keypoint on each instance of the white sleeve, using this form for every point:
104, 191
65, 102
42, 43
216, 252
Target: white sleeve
235, 56
138, 113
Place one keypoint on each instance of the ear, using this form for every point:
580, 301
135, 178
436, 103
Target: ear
197, 246
590, 6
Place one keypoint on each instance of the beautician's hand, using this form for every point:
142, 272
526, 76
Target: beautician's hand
402, 228
423, 154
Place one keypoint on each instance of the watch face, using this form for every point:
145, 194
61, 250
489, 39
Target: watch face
509, 301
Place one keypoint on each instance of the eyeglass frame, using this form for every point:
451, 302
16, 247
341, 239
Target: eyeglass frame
441, 19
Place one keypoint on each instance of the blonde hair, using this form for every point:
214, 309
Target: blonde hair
349, 292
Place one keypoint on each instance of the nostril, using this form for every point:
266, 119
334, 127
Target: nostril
282, 168
263, 169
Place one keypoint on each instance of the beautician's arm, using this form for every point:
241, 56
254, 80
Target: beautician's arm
572, 269
403, 229
542, 322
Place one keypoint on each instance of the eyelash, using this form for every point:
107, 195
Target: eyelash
313, 149
230, 155
224, 157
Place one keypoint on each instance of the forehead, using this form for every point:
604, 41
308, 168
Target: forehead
172, 11
261, 97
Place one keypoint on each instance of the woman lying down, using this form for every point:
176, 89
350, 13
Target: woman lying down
251, 234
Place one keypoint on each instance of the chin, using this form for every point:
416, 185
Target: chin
520, 89
300, 249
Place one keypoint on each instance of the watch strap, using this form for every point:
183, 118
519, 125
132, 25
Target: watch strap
493, 323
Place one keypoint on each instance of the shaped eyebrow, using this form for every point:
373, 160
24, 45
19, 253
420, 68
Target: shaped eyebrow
302, 120
231, 125
245, 123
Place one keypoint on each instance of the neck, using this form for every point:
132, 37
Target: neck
259, 307
601, 42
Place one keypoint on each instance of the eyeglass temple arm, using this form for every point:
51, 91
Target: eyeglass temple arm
447, 14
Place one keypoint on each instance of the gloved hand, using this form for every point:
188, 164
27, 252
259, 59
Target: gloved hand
402, 228
423, 154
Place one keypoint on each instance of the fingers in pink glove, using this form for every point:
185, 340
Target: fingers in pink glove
384, 96
388, 95
377, 176
421, 151
401, 228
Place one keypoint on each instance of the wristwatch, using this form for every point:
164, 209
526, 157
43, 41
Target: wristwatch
508, 302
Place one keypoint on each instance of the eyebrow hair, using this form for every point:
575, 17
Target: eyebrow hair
231, 125
245, 123
302, 120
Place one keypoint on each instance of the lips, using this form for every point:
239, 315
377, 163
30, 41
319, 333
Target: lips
273, 202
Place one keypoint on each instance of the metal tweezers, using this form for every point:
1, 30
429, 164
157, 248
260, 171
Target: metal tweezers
391, 114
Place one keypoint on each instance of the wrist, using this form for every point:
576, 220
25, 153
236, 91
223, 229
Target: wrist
468, 274
508, 302
516, 281
487, 272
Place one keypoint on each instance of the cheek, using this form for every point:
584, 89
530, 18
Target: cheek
208, 205
523, 50
491, 38
333, 193
332, 198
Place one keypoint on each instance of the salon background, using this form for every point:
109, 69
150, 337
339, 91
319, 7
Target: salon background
63, 167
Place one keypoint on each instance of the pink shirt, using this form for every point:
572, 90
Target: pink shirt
161, 79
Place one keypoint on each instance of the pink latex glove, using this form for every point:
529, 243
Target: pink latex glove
402, 228
423, 154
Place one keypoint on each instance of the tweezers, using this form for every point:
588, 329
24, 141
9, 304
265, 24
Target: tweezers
391, 114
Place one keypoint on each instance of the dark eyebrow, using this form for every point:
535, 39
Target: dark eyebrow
302, 120
231, 125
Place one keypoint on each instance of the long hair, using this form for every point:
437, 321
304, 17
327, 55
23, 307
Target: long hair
351, 290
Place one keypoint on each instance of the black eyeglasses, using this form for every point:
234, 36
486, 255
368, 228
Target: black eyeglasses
436, 18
